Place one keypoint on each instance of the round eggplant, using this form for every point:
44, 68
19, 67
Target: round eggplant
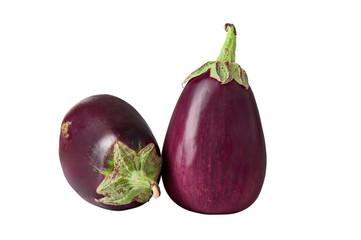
214, 151
109, 154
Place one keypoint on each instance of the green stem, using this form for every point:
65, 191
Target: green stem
228, 52
225, 69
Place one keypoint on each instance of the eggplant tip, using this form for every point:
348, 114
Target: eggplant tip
231, 26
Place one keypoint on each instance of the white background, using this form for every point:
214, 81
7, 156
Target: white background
303, 63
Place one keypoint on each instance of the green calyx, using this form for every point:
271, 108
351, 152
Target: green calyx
133, 177
225, 69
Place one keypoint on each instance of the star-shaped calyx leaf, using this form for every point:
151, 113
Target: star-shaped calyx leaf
222, 71
134, 176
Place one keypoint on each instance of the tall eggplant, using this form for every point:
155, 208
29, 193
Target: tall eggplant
214, 151
109, 154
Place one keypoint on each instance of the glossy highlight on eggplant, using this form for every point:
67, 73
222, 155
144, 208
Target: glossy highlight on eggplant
108, 153
214, 151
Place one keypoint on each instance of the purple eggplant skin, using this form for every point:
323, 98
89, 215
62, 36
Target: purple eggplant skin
85, 147
214, 154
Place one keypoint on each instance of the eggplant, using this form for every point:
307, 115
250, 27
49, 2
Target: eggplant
108, 153
214, 153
